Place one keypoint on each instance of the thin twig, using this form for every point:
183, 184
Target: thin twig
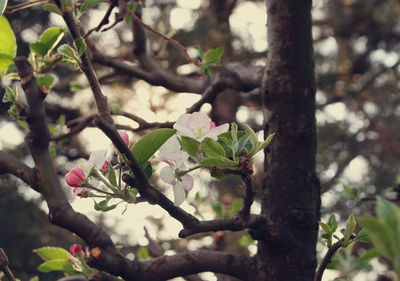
4, 266
173, 42
327, 259
15, 8
104, 21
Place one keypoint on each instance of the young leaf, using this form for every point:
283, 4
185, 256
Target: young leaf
102, 206
265, 143
388, 213
201, 52
133, 193
52, 253
3, 5
191, 146
220, 162
8, 44
380, 235
212, 148
213, 56
332, 223
253, 139
69, 54
350, 226
363, 237
47, 41
52, 8
148, 169
325, 227
89, 4
45, 80
57, 265
80, 45
143, 253
236, 205
150, 143
234, 131
111, 176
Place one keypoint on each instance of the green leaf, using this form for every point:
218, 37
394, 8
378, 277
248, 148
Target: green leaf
80, 45
217, 209
3, 5
213, 56
111, 176
234, 131
51, 8
368, 255
102, 206
201, 52
45, 80
388, 213
253, 139
207, 71
325, 227
363, 236
68, 54
350, 226
76, 86
57, 265
133, 193
191, 146
380, 235
89, 4
220, 162
34, 278
143, 253
350, 192
265, 143
212, 148
8, 44
150, 143
148, 169
219, 176
52, 253
9, 96
332, 223
47, 41
236, 205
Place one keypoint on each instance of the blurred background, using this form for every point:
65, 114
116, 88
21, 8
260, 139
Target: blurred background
357, 46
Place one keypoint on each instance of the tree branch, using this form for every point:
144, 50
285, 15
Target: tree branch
11, 165
327, 259
60, 211
86, 67
167, 267
4, 266
140, 182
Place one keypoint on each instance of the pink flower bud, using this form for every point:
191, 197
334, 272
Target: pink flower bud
105, 166
75, 249
212, 124
125, 137
75, 177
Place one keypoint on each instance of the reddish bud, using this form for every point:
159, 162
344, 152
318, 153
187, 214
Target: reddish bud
105, 166
75, 177
212, 124
75, 249
96, 253
125, 137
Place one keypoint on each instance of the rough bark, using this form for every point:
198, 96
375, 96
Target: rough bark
291, 189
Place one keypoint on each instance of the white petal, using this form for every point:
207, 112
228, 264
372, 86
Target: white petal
97, 159
167, 174
187, 182
214, 132
179, 194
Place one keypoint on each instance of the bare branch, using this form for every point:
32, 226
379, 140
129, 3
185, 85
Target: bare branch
4, 266
10, 164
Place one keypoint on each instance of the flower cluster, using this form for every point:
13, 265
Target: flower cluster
96, 176
196, 126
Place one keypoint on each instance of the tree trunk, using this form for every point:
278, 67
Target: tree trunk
290, 189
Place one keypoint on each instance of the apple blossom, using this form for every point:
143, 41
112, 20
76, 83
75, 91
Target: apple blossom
124, 136
75, 249
179, 184
198, 125
75, 177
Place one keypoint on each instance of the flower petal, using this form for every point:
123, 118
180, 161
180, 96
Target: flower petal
179, 194
167, 175
214, 132
97, 158
187, 182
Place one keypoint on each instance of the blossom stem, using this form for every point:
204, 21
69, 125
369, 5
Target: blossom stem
102, 178
99, 190
182, 173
